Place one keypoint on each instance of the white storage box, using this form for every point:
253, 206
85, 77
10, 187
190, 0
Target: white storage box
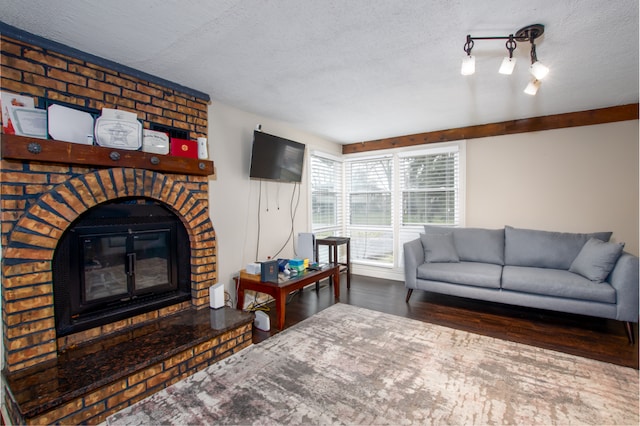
155, 142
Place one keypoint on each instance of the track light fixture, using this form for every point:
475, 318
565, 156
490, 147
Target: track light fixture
509, 62
528, 33
538, 70
469, 62
532, 87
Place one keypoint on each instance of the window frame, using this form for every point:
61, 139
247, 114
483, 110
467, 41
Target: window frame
336, 229
380, 231
400, 232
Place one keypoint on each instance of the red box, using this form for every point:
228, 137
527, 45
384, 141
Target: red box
184, 148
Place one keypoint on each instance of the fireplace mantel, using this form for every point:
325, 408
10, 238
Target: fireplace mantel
51, 151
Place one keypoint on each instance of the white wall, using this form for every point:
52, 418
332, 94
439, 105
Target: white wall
234, 197
580, 179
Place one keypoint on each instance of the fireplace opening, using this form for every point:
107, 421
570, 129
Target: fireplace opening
118, 260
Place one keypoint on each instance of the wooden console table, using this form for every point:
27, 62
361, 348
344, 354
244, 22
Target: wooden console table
280, 290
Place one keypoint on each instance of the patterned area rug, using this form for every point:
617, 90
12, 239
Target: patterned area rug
348, 365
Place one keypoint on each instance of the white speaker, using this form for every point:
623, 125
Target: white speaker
202, 149
262, 321
307, 246
216, 296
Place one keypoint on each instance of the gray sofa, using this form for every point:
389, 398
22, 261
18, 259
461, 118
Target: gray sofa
568, 272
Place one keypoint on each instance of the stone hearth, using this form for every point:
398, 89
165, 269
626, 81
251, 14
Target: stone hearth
86, 384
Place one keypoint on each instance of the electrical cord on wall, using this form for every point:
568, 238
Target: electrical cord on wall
246, 227
259, 206
293, 211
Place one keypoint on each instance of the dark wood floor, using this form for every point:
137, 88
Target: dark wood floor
600, 339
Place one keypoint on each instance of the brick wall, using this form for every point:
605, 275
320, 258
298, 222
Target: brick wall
40, 200
31, 70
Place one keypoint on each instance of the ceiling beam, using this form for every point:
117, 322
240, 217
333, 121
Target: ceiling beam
535, 124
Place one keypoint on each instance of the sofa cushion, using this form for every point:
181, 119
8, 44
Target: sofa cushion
467, 273
555, 282
475, 244
596, 259
439, 248
544, 249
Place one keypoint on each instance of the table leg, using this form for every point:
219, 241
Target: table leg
348, 264
333, 258
280, 305
336, 283
317, 260
240, 303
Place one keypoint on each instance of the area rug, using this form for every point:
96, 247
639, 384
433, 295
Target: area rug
349, 365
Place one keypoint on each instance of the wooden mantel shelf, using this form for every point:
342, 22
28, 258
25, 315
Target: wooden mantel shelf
51, 151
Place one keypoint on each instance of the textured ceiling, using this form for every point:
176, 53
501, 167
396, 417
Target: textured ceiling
358, 70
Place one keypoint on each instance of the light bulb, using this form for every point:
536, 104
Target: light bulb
538, 70
468, 65
532, 87
507, 65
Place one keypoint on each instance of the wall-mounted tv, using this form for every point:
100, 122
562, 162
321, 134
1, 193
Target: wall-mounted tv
276, 158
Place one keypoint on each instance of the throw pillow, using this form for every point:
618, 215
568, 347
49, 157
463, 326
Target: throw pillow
439, 248
596, 259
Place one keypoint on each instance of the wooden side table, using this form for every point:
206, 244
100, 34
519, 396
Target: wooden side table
332, 243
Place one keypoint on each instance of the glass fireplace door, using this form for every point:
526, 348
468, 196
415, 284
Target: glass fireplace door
124, 266
151, 255
105, 277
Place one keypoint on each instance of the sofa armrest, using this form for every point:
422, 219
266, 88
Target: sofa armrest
624, 278
413, 257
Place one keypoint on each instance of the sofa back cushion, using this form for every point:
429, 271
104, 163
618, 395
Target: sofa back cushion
545, 249
474, 244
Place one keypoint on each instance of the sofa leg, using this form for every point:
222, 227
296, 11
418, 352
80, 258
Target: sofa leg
628, 326
409, 294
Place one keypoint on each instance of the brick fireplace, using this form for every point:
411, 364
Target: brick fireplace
44, 190
27, 274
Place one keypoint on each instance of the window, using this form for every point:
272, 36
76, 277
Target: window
326, 196
370, 209
429, 188
430, 191
387, 198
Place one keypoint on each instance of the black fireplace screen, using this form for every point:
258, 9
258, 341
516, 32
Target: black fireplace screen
125, 265
117, 261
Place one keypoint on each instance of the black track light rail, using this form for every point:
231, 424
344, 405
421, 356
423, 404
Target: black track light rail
528, 33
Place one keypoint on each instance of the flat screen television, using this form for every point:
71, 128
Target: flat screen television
276, 158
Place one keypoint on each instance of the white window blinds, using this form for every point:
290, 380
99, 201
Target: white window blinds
370, 209
387, 198
326, 195
429, 187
